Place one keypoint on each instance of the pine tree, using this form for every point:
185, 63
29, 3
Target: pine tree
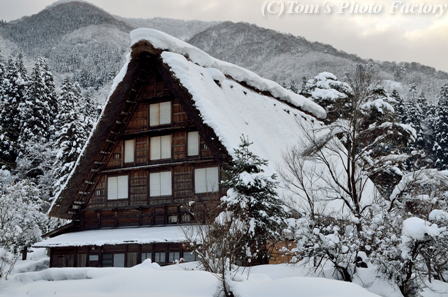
253, 204
441, 132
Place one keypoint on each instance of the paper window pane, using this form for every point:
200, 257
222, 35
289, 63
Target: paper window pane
165, 113
154, 184
155, 148
112, 188
212, 179
122, 191
154, 114
166, 147
118, 260
165, 183
193, 143
129, 151
199, 180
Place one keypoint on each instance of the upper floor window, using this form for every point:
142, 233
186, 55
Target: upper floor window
160, 184
129, 148
193, 143
160, 147
160, 113
117, 187
206, 180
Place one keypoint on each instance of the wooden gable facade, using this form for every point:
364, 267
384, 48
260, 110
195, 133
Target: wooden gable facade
148, 158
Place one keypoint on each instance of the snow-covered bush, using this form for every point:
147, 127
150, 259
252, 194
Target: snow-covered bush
21, 218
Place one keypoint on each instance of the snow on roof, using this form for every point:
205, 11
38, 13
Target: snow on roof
233, 110
116, 237
164, 41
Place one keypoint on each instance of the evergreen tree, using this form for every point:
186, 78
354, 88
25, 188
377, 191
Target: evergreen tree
399, 106
71, 133
36, 116
413, 93
50, 92
38, 109
12, 88
330, 93
253, 204
431, 118
441, 132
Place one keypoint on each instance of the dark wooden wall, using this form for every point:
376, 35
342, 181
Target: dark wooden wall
92, 256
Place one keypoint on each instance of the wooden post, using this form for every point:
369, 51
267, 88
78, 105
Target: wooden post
24, 252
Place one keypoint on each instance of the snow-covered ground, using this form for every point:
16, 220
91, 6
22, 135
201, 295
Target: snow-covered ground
31, 279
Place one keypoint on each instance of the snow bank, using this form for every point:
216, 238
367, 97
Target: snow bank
147, 279
180, 280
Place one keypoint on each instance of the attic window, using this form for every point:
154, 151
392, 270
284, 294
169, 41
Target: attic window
129, 147
160, 113
160, 147
193, 143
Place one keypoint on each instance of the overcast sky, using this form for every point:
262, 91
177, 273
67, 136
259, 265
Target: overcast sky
391, 34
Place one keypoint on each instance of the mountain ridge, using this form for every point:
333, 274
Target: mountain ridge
85, 41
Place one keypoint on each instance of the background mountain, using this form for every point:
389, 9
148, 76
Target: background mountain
83, 41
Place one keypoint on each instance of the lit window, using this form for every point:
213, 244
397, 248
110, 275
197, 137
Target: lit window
206, 180
161, 147
193, 143
160, 184
129, 151
160, 113
117, 187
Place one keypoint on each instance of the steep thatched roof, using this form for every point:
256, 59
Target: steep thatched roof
224, 101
